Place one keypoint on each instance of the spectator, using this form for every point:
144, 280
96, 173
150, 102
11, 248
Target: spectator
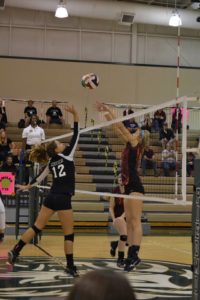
166, 136
54, 114
190, 163
102, 285
29, 111
148, 161
3, 115
168, 160
116, 210
177, 122
146, 123
33, 134
159, 119
2, 220
8, 165
6, 145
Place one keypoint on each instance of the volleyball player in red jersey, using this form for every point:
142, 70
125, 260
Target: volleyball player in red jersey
118, 217
131, 157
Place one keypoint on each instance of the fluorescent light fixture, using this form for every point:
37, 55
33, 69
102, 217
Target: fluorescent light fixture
61, 10
195, 5
175, 19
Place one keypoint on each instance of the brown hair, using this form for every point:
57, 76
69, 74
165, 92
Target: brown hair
38, 154
3, 139
51, 149
102, 284
41, 154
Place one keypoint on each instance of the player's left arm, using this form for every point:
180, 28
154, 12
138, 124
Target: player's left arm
70, 149
35, 181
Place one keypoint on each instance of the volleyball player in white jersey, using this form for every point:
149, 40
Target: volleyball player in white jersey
2, 220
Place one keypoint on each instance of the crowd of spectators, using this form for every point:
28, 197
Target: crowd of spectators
33, 134
157, 124
12, 156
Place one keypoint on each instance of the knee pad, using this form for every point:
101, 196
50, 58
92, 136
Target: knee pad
123, 238
69, 237
37, 230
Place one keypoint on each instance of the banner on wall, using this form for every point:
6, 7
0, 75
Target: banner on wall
7, 183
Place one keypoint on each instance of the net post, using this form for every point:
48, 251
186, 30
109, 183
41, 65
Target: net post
184, 153
196, 233
33, 201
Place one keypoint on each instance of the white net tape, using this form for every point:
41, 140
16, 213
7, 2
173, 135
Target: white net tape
180, 183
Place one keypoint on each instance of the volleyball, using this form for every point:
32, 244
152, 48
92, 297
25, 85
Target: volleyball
90, 81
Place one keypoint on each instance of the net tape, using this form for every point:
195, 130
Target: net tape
142, 198
151, 109
121, 119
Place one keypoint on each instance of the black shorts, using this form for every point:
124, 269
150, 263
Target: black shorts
58, 201
134, 186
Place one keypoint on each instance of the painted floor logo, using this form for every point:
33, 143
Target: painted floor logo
43, 276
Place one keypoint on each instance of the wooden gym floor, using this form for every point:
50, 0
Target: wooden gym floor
173, 249
163, 274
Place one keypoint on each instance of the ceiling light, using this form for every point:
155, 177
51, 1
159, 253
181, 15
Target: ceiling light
195, 5
175, 19
61, 10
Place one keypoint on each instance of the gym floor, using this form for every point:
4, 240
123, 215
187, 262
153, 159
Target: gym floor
165, 271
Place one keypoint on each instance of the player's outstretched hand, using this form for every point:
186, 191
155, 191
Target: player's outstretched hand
71, 109
101, 107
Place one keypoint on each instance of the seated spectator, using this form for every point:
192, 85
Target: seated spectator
8, 165
33, 134
102, 285
54, 114
159, 119
148, 161
168, 160
190, 163
146, 124
29, 111
6, 145
166, 136
3, 115
117, 214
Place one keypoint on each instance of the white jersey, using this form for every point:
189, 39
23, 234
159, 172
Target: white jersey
2, 216
34, 135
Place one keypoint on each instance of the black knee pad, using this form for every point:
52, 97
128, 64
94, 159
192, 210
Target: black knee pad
69, 237
123, 238
37, 230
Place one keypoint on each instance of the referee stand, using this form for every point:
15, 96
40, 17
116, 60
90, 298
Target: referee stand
196, 233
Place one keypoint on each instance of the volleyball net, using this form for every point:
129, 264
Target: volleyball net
165, 177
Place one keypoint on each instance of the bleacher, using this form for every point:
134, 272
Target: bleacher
94, 174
